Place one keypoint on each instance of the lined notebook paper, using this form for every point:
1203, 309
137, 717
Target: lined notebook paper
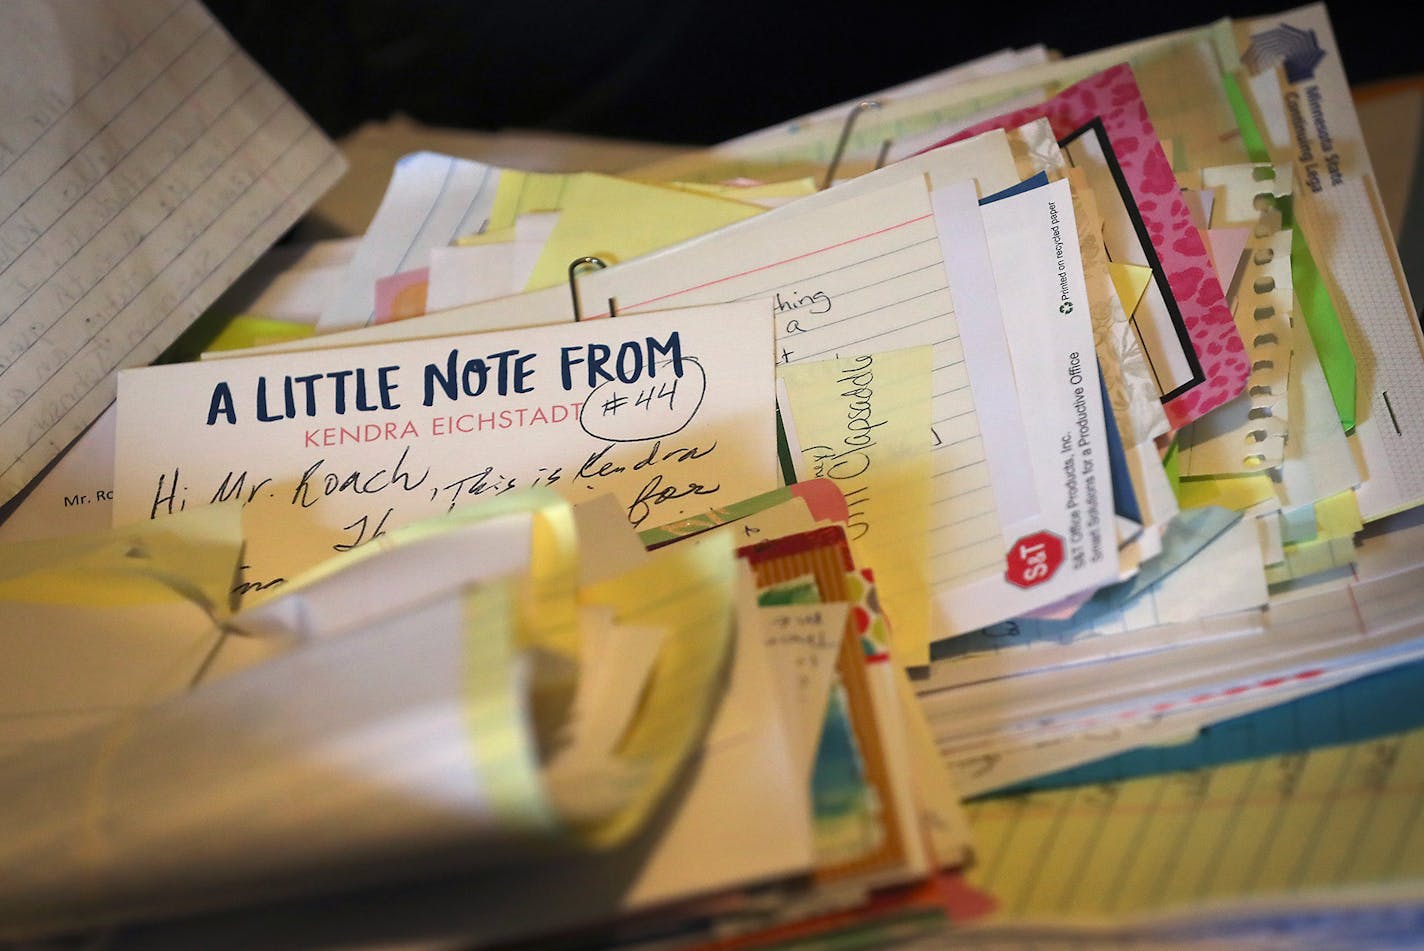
1334, 816
145, 162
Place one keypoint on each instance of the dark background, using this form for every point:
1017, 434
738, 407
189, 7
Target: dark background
694, 72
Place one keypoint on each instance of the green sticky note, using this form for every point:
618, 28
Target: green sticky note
1323, 322
250, 330
222, 331
1298, 524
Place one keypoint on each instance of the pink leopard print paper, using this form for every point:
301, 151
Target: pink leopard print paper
1112, 97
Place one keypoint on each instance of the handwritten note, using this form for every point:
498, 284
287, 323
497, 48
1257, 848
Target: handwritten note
862, 422
803, 642
328, 449
145, 162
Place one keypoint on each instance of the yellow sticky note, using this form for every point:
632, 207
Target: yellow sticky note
1130, 281
687, 591
862, 421
190, 555
1339, 515
520, 193
1235, 492
615, 219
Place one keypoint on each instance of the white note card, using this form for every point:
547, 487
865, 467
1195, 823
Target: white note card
145, 163
671, 413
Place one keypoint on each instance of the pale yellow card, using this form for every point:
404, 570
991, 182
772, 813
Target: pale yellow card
1339, 515
863, 421
614, 219
1129, 280
521, 193
766, 194
687, 591
1237, 493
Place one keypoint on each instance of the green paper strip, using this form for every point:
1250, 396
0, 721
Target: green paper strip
1323, 322
1172, 466
1250, 134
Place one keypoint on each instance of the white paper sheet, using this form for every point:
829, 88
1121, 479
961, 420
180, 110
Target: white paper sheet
290, 282
432, 199
301, 754
76, 495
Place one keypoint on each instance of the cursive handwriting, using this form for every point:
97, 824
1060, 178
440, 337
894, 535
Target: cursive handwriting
654, 493
488, 480
597, 467
243, 587
315, 485
817, 303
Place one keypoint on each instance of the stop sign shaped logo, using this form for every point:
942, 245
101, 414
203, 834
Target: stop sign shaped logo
1034, 559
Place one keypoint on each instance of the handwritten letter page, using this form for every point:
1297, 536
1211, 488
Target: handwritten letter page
145, 162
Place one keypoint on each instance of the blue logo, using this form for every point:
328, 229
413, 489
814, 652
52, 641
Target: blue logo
1298, 49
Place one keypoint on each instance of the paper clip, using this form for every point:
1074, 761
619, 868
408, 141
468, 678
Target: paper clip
573, 283
883, 153
855, 111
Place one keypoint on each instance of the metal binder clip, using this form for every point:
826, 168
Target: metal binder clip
573, 283
845, 137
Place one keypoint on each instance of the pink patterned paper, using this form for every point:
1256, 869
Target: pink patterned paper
1113, 97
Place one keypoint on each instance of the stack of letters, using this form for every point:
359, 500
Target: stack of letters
659, 559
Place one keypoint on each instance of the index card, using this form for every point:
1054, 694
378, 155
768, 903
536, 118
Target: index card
75, 496
862, 270
145, 162
863, 275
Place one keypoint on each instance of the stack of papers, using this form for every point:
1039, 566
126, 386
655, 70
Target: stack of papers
692, 540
